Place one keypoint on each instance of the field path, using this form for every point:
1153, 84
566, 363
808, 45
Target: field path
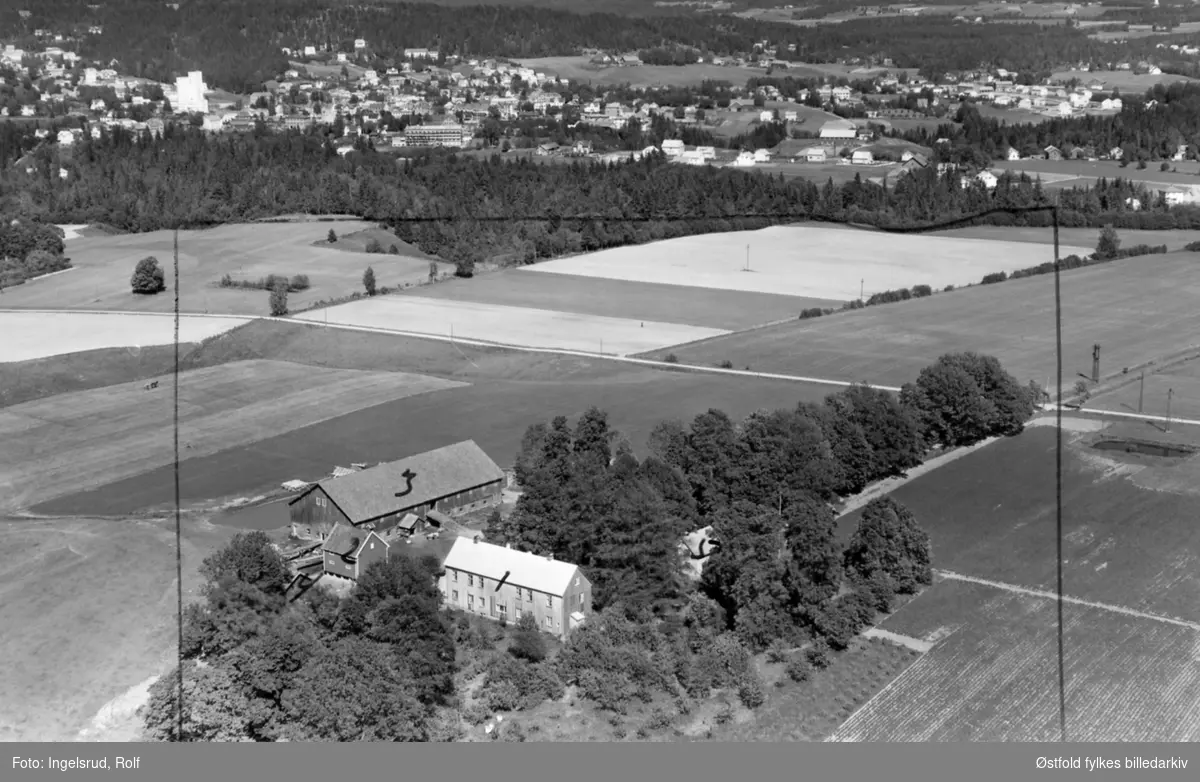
952, 576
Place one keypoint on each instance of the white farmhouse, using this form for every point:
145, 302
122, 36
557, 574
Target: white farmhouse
839, 128
672, 147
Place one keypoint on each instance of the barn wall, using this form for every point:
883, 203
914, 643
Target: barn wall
374, 551
313, 519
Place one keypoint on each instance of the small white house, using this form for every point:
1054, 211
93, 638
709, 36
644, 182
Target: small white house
862, 157
814, 155
766, 115
988, 179
762, 156
672, 147
744, 158
1012, 154
66, 138
360, 43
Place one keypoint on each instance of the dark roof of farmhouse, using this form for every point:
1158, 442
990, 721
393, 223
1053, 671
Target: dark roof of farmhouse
371, 493
344, 541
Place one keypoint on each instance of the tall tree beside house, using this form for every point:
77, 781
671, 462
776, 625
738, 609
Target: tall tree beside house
249, 557
278, 300
889, 544
368, 281
812, 575
148, 277
1109, 244
433, 272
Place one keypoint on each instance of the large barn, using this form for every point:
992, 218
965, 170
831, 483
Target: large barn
400, 497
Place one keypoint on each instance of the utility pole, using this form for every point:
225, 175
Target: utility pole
1142, 391
1095, 363
861, 288
1170, 393
747, 257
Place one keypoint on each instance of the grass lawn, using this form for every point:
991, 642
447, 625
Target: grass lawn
22, 381
991, 515
37, 335
70, 442
90, 607
823, 172
536, 328
812, 710
706, 307
1012, 116
994, 675
248, 251
801, 260
1014, 321
508, 392
1079, 237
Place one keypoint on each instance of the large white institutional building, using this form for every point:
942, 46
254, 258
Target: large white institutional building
190, 91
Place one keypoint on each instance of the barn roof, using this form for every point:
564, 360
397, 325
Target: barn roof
368, 494
524, 569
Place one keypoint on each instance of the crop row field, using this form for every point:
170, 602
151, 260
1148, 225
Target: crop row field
104, 264
524, 326
1137, 309
72, 442
595, 296
507, 392
34, 335
991, 515
825, 263
994, 677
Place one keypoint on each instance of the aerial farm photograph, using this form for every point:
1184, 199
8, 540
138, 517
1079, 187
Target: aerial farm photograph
550, 371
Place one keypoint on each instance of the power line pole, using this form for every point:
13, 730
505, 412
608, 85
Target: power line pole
1170, 393
1142, 390
862, 288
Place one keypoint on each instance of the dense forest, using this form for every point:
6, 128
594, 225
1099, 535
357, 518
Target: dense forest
384, 663
237, 44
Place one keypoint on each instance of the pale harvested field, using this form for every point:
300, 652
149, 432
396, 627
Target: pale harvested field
824, 263
994, 677
1138, 309
510, 325
30, 335
89, 611
1082, 237
72, 442
246, 251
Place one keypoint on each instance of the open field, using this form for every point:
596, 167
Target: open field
71, 442
641, 75
22, 381
1183, 380
1125, 81
732, 123
34, 335
1080, 172
539, 328
90, 611
1014, 321
1080, 237
639, 301
524, 388
1012, 116
995, 676
248, 251
1123, 545
826, 263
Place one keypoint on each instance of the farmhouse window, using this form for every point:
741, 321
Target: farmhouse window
576, 580
470, 580
547, 621
455, 593
455, 574
549, 601
530, 591
503, 611
470, 601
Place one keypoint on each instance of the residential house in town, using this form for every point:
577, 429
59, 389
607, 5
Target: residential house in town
430, 487
1052, 153
862, 157
672, 147
744, 158
348, 551
839, 129
504, 584
1012, 154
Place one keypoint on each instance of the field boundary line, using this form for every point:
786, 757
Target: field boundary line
21, 310
1136, 416
628, 359
950, 575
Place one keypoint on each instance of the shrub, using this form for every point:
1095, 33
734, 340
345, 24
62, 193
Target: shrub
994, 277
777, 652
374, 246
948, 288
658, 720
798, 669
1192, 247
148, 277
299, 283
724, 715
726, 364
393, 250
368, 281
921, 291
750, 693
465, 268
811, 312
512, 685
817, 655
671, 358
1165, 166
278, 301
889, 297
527, 641
331, 237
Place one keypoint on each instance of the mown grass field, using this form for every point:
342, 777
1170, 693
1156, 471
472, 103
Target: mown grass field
1072, 173
801, 260
991, 515
1079, 237
647, 75
1136, 309
248, 251
1125, 81
35, 335
501, 324
70, 442
1182, 380
89, 607
705, 307
994, 676
508, 391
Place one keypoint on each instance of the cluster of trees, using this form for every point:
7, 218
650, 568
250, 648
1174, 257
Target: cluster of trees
28, 248
149, 278
376, 666
293, 284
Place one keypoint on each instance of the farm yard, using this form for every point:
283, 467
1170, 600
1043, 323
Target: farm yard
889, 344
245, 251
537, 328
91, 626
826, 263
34, 335
71, 442
508, 391
994, 676
705, 307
